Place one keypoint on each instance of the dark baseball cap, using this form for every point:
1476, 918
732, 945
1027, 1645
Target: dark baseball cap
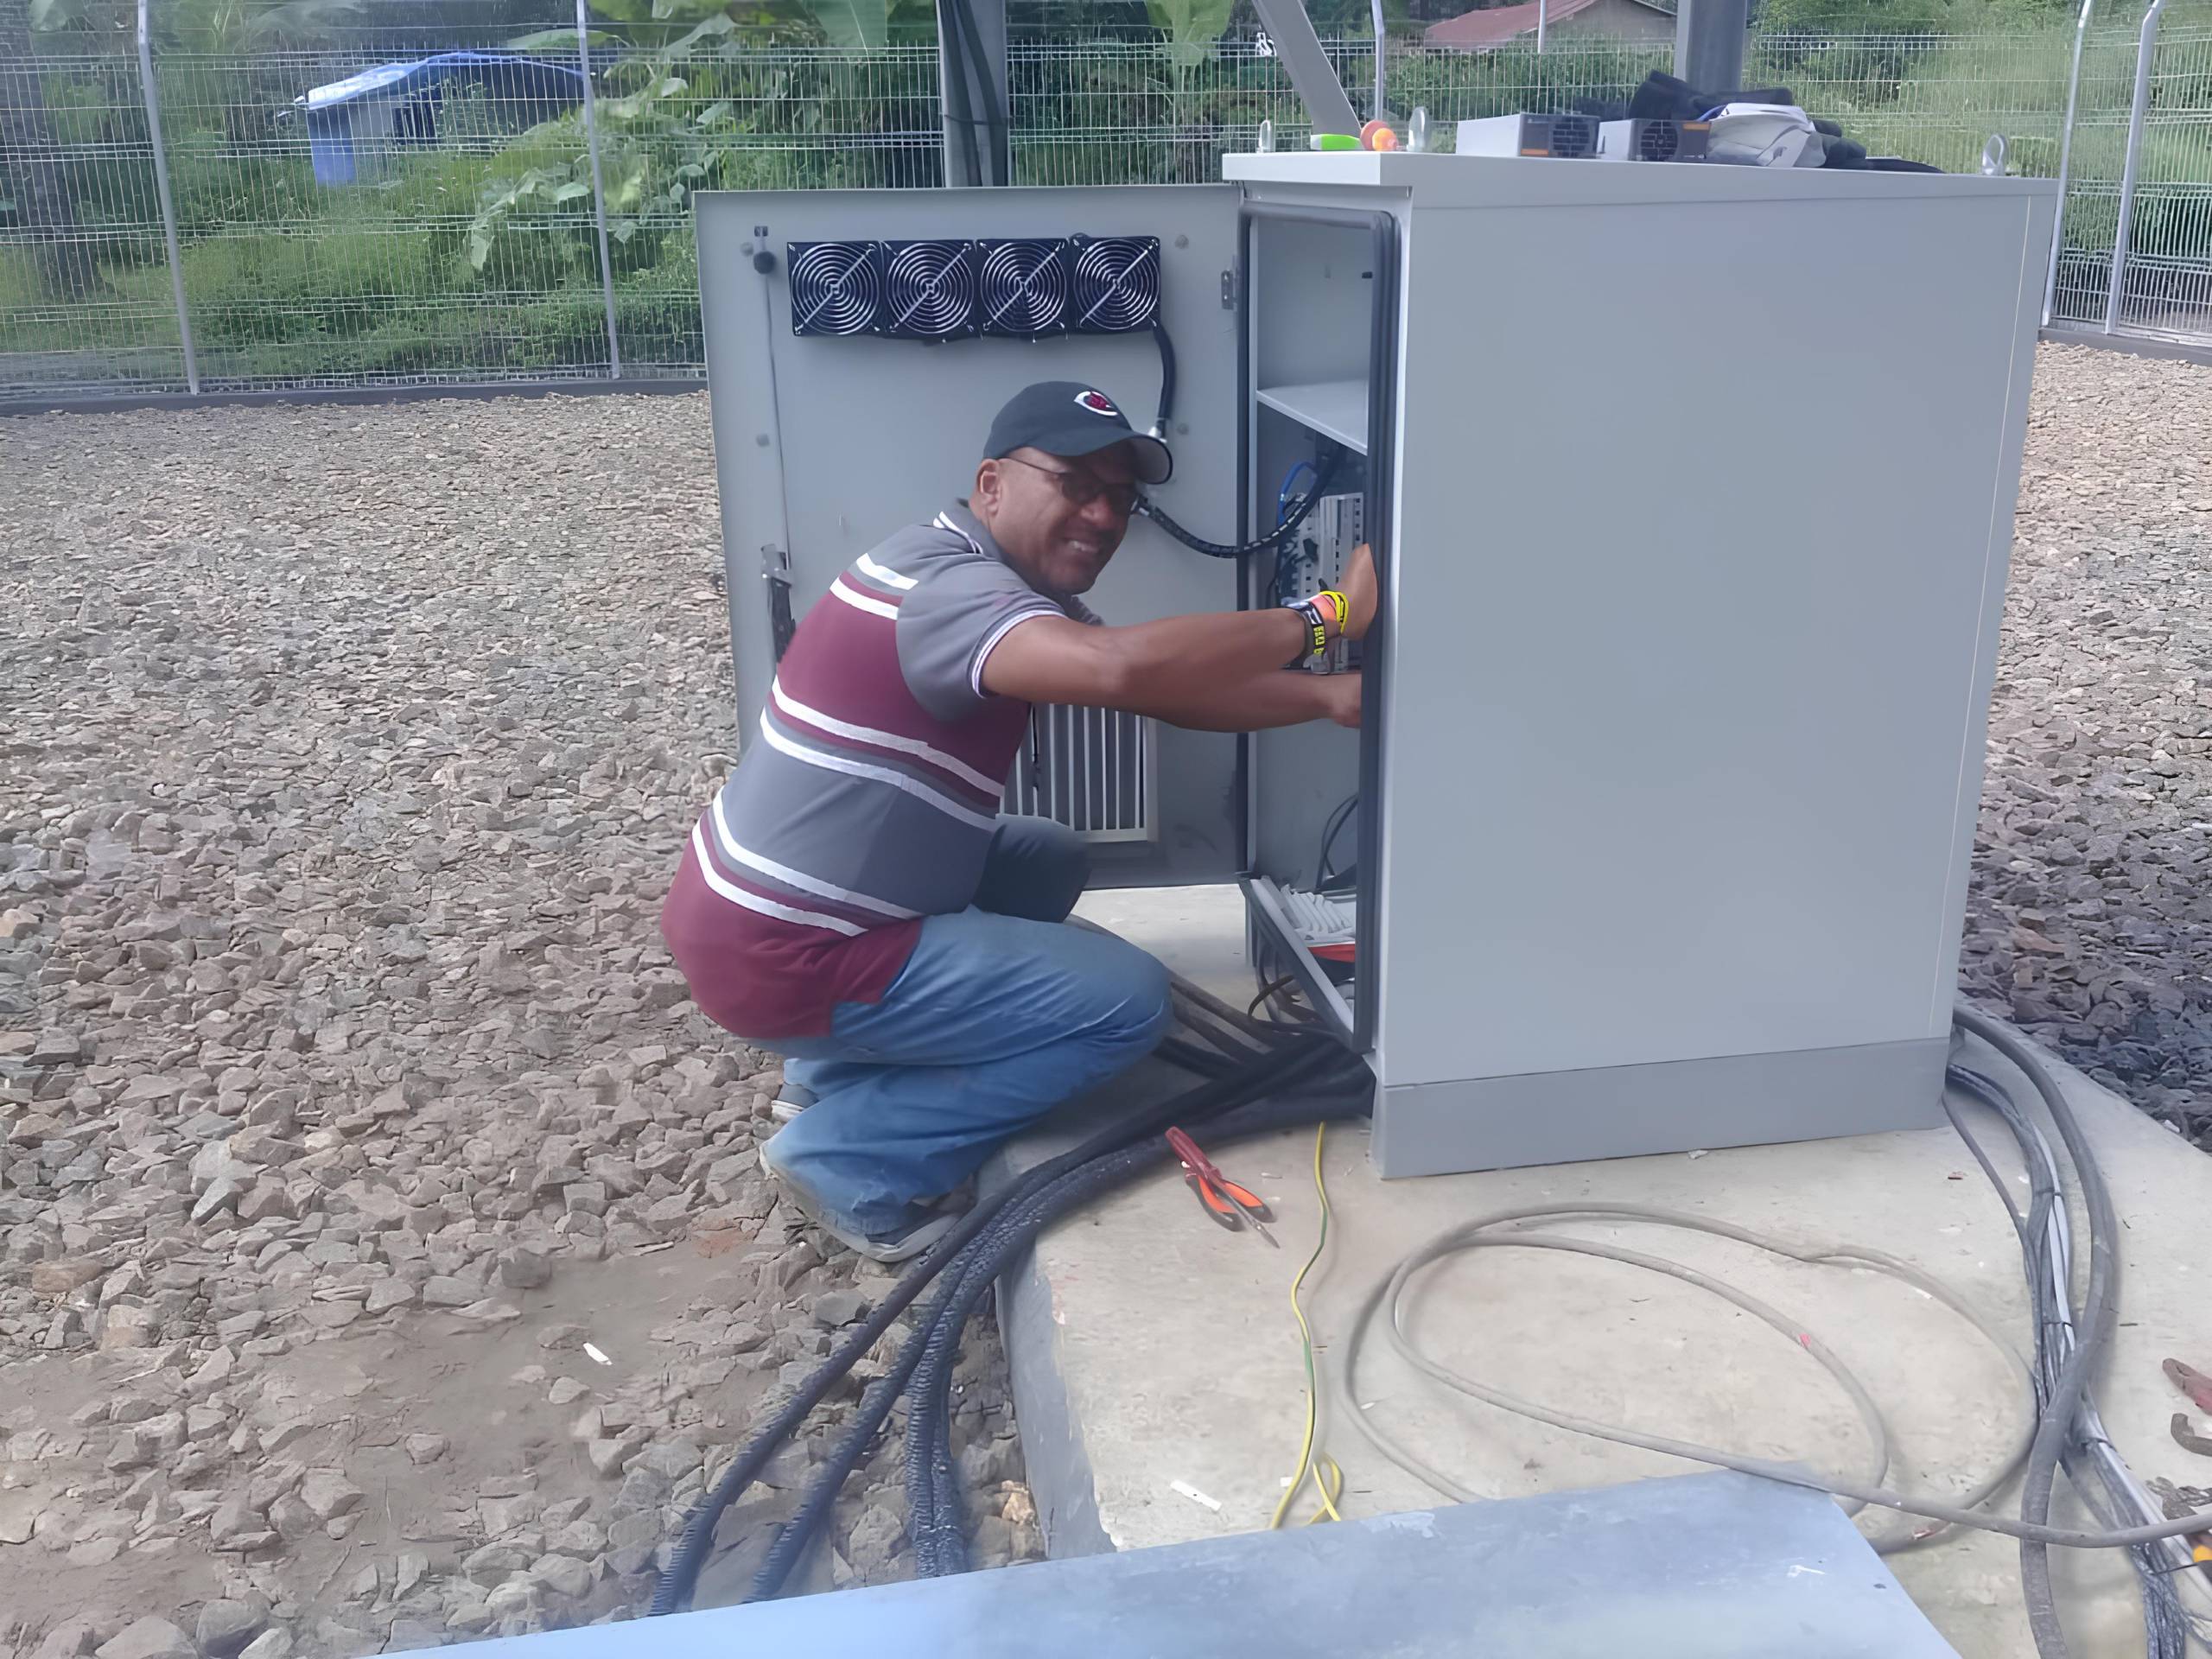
1068, 419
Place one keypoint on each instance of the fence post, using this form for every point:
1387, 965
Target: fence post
1382, 52
598, 189
161, 194
1709, 43
2065, 163
2147, 47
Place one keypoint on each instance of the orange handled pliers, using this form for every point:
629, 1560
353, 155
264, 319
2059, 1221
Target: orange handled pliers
1232, 1205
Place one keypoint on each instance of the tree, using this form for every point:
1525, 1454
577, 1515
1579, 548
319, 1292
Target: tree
40, 187
854, 25
223, 26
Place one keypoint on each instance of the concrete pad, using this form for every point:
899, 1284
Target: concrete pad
1150, 1348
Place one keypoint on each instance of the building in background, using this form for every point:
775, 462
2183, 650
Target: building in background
1641, 22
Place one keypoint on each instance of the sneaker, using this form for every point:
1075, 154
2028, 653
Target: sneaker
793, 1099
916, 1231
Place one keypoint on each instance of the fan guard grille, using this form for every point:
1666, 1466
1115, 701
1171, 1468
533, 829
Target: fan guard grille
929, 290
1117, 283
1025, 286
836, 288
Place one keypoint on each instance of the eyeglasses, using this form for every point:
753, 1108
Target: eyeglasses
1081, 489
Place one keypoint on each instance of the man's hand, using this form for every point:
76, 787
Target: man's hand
1359, 592
1340, 696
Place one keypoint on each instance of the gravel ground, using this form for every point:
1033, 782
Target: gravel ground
383, 1256
383, 1252
2091, 917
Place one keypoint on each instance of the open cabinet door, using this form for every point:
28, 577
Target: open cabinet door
827, 442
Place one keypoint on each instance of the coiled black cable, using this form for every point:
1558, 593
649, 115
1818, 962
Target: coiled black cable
1337, 1090
936, 1522
1014, 1224
1324, 475
1287, 1062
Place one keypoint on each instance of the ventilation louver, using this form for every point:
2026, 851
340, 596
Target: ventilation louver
1654, 140
1573, 138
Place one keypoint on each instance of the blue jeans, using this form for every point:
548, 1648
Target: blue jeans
1002, 1013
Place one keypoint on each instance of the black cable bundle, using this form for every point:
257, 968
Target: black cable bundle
1256, 1078
1323, 477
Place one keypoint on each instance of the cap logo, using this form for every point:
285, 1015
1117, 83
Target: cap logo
1097, 402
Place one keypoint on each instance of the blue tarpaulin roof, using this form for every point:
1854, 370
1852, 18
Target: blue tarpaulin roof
513, 76
396, 104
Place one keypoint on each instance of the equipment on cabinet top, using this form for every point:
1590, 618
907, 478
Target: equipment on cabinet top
1563, 135
1016, 288
1639, 139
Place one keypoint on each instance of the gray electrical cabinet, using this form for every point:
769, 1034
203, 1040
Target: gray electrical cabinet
1692, 489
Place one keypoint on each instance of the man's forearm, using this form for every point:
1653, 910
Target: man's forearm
1253, 702
1185, 658
1185, 669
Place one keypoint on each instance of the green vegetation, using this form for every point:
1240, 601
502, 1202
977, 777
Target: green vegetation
479, 255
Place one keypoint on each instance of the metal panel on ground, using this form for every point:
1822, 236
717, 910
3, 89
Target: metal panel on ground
1701, 1566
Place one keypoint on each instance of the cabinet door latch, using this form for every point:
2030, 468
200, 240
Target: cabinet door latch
775, 570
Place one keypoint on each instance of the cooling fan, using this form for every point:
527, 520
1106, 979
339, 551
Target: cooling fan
1116, 285
928, 290
1024, 286
1015, 287
836, 286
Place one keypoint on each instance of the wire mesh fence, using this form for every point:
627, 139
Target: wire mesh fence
2166, 284
332, 244
390, 206
85, 300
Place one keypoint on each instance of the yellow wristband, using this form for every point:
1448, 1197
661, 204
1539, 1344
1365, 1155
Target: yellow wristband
1342, 604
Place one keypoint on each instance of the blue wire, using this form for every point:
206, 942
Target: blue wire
1285, 557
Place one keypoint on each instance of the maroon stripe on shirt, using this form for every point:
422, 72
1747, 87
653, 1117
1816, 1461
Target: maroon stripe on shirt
932, 772
761, 885
829, 669
762, 978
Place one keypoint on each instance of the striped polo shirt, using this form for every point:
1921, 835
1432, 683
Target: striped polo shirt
868, 796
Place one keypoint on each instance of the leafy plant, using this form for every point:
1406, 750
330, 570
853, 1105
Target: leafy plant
712, 112
1191, 27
